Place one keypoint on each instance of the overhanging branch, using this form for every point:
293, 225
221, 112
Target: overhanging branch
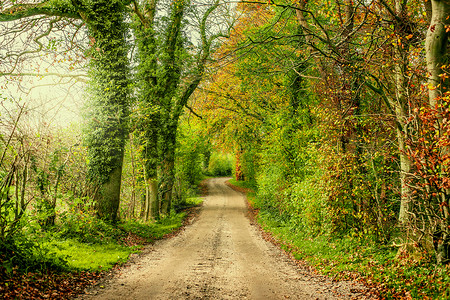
47, 8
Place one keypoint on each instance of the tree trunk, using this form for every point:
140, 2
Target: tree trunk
109, 92
146, 202
108, 197
166, 168
153, 198
436, 48
442, 247
151, 204
399, 104
150, 121
163, 92
405, 169
400, 108
133, 178
166, 186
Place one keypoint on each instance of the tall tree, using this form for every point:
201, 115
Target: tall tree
168, 75
148, 114
109, 87
437, 56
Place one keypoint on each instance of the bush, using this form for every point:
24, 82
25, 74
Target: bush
26, 255
80, 222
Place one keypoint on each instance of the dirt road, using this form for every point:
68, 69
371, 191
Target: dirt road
220, 256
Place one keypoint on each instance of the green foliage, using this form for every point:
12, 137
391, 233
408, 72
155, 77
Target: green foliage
362, 259
79, 221
248, 164
361, 199
307, 206
192, 151
87, 256
25, 254
220, 164
290, 183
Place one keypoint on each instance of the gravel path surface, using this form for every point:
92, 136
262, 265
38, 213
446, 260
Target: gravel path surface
220, 256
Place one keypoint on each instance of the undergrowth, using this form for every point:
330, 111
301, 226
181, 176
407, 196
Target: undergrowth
84, 243
392, 274
249, 187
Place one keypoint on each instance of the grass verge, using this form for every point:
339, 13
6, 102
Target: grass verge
390, 275
80, 253
108, 245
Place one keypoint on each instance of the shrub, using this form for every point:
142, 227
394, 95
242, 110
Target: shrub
81, 223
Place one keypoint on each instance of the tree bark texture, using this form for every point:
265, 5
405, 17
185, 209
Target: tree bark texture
436, 44
400, 104
436, 48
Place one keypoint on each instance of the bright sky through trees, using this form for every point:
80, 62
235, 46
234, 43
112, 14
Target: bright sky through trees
42, 66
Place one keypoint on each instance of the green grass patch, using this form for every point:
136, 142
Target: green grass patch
103, 245
189, 202
154, 231
194, 201
92, 257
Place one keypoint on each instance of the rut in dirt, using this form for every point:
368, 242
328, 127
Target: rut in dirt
221, 256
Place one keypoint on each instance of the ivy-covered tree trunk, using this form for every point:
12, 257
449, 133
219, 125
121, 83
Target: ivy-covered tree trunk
166, 167
148, 120
163, 93
109, 90
149, 130
166, 96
